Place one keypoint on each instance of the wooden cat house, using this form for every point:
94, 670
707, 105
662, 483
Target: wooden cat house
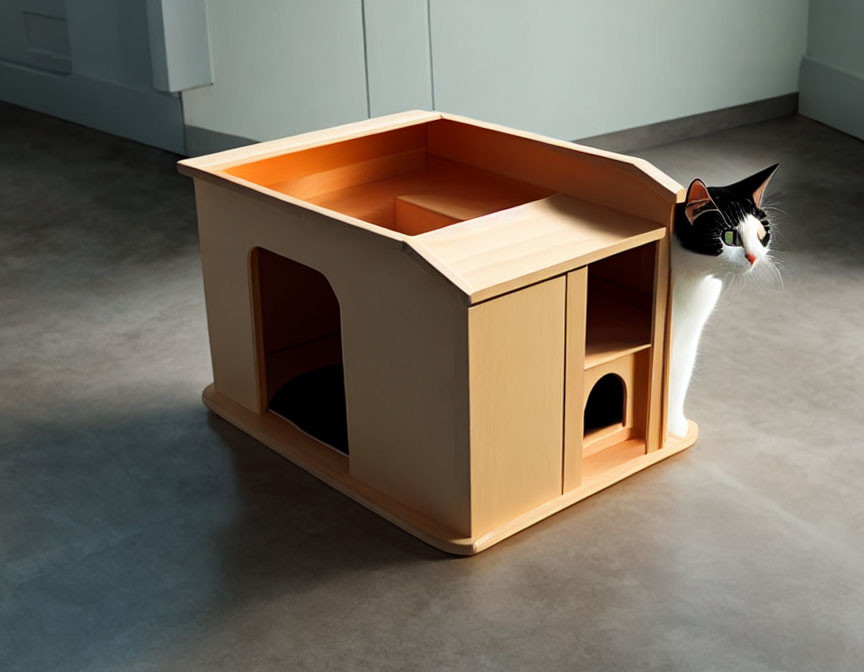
490, 307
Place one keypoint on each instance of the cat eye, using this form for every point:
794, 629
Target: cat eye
730, 237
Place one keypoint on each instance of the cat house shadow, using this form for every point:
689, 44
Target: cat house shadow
291, 532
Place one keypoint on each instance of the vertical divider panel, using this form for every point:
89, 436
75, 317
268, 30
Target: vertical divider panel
656, 425
574, 362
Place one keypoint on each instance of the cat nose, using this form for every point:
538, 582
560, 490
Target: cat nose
750, 257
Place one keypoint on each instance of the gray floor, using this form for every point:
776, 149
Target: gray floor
137, 532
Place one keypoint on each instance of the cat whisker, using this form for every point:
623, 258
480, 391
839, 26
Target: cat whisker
774, 272
767, 275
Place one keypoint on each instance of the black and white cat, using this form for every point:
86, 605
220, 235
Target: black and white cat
720, 232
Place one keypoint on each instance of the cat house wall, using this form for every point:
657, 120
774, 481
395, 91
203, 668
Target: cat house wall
478, 273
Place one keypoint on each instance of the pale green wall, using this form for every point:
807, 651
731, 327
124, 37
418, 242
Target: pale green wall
281, 68
562, 67
567, 68
837, 34
575, 69
832, 73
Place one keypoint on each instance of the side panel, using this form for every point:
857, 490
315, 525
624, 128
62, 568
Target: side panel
404, 345
516, 381
226, 267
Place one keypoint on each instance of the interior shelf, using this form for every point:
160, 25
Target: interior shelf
618, 322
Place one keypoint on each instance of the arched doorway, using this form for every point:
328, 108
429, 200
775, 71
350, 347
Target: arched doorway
300, 347
605, 405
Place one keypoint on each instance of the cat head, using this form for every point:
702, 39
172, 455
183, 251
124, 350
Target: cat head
727, 222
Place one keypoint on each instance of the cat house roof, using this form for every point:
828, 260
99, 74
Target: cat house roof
489, 208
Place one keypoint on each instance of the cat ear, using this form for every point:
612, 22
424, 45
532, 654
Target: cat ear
698, 200
754, 186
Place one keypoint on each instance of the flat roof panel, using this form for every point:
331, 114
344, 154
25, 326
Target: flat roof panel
529, 243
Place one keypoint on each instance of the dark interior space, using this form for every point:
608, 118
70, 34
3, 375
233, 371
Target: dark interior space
300, 339
605, 405
620, 292
315, 402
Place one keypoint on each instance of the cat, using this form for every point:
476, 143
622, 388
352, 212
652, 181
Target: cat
720, 232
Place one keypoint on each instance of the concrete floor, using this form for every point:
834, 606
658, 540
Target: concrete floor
138, 532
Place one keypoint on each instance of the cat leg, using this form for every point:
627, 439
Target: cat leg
683, 357
693, 301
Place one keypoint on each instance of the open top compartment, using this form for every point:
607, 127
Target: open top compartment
394, 179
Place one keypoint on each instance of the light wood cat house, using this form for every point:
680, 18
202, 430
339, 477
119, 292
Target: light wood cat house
498, 302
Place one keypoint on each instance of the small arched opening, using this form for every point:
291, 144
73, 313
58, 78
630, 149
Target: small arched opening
300, 347
605, 405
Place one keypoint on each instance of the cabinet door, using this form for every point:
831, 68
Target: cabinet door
516, 382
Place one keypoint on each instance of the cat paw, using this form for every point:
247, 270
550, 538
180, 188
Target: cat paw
677, 426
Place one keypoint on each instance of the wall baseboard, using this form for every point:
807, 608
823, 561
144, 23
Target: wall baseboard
142, 115
832, 97
661, 133
200, 141
204, 141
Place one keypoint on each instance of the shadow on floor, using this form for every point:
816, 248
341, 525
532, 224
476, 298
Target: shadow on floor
299, 525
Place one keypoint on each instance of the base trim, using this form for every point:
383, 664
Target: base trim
143, 115
332, 468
